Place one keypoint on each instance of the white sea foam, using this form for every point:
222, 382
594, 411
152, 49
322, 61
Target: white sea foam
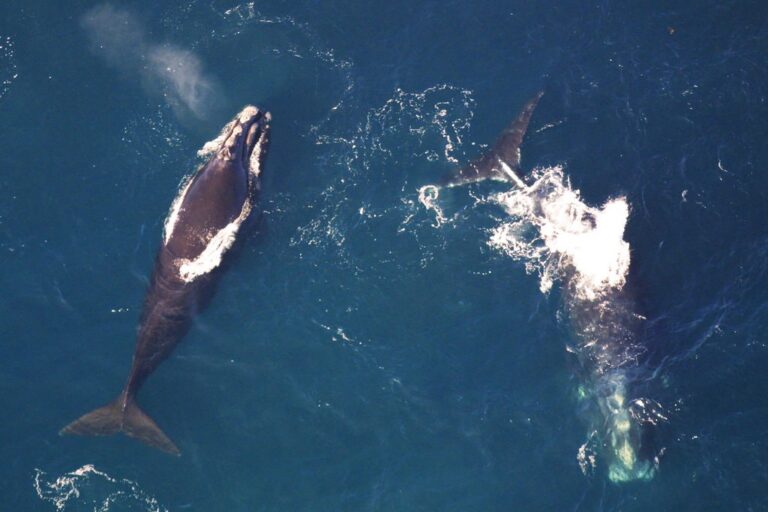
92, 489
410, 128
8, 69
247, 12
587, 455
556, 234
442, 109
428, 196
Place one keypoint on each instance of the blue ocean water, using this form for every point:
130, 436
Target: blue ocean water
371, 348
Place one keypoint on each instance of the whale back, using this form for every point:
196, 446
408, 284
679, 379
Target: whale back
214, 198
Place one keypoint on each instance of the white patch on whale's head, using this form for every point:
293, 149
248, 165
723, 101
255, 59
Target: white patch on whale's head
237, 132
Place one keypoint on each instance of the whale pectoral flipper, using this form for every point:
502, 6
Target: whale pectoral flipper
503, 160
123, 416
507, 147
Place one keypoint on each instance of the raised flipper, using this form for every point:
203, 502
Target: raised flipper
503, 160
122, 415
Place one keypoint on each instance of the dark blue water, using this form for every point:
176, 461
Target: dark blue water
361, 354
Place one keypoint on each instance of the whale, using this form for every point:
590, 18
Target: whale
210, 212
604, 323
608, 350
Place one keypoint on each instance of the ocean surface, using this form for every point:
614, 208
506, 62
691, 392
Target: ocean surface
381, 343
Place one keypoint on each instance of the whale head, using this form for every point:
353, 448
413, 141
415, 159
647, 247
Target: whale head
243, 140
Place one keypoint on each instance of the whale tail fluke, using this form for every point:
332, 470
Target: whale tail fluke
122, 415
503, 160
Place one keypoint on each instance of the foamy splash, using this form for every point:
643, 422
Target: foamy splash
557, 235
90, 488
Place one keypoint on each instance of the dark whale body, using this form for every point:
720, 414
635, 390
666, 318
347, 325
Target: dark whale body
202, 226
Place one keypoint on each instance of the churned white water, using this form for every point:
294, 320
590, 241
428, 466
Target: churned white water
555, 233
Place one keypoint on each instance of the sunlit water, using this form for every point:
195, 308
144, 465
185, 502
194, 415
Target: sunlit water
379, 343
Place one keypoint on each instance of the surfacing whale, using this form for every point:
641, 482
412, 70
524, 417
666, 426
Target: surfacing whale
586, 252
203, 224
